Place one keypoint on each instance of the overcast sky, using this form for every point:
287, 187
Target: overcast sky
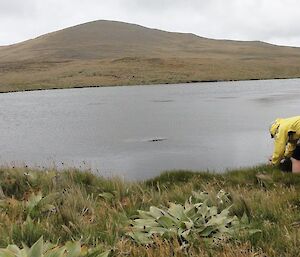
274, 21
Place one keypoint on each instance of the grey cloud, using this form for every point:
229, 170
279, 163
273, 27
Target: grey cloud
273, 21
16, 9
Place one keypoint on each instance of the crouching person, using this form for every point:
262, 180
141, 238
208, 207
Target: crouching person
286, 134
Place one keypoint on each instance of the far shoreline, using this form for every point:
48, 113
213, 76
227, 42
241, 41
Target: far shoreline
146, 84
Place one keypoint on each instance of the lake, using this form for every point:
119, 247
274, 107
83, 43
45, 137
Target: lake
138, 131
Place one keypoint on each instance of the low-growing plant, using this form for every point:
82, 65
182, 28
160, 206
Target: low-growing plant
35, 205
46, 249
195, 218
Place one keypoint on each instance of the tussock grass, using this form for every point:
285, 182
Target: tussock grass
96, 210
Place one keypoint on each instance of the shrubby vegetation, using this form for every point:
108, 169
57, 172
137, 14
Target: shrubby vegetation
251, 212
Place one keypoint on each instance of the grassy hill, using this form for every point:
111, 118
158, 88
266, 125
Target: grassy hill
107, 53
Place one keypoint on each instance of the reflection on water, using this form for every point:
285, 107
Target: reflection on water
162, 101
136, 132
279, 97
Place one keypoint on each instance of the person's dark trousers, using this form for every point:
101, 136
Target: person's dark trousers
286, 165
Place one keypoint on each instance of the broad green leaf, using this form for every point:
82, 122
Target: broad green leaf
189, 224
14, 249
48, 200
253, 231
213, 211
203, 209
56, 252
156, 212
245, 219
73, 249
207, 231
190, 210
105, 254
166, 222
216, 221
37, 249
186, 234
202, 196
144, 223
188, 206
158, 230
140, 237
7, 253
107, 196
33, 200
177, 211
47, 246
26, 249
145, 214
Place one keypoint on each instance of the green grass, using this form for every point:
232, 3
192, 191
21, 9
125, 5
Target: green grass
96, 210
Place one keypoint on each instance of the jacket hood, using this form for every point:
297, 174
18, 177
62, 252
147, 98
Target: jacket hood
274, 127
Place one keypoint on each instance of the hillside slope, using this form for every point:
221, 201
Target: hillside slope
115, 53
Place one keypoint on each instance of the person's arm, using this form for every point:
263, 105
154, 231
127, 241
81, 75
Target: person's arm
281, 139
291, 146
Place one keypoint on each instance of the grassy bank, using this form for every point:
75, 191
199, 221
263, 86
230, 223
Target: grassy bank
27, 75
76, 205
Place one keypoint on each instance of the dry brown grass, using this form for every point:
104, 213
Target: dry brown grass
110, 54
139, 71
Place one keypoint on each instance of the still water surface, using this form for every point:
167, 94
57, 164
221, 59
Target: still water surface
207, 126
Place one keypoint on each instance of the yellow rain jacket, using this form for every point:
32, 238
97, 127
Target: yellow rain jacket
286, 133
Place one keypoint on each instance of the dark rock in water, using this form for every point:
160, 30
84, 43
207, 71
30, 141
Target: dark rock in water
158, 139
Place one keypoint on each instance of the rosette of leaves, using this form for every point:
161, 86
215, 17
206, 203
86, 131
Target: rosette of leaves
46, 249
187, 221
35, 205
